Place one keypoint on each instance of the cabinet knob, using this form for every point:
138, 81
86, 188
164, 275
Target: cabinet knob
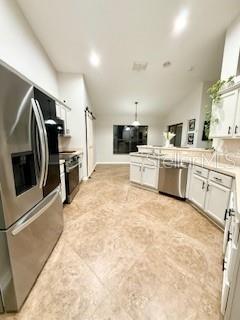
236, 130
229, 130
231, 213
229, 236
208, 187
203, 185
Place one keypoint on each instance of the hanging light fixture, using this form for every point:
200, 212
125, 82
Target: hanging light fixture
136, 123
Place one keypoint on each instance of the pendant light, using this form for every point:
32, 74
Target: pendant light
136, 123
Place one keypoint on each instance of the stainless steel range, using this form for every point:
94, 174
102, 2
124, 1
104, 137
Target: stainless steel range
72, 160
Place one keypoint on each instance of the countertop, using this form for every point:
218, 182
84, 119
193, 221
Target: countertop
181, 149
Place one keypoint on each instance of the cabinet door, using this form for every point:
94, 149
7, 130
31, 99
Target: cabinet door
63, 187
228, 219
225, 293
217, 201
197, 190
150, 176
80, 172
136, 173
237, 120
224, 114
67, 122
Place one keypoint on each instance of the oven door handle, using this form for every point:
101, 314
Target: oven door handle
42, 142
45, 144
71, 168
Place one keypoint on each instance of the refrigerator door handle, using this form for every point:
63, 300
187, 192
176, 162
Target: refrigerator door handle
42, 143
46, 143
34, 214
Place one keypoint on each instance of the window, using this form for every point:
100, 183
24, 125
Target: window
177, 129
127, 138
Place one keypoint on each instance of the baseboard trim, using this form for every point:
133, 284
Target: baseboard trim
113, 162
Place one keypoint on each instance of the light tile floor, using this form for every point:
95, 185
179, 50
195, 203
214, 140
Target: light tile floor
129, 254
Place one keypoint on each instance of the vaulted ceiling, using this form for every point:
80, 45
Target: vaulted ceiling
127, 31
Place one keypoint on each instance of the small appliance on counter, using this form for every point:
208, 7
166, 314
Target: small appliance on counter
72, 162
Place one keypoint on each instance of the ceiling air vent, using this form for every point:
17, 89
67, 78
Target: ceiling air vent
139, 66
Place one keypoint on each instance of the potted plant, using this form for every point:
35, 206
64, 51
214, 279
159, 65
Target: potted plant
215, 96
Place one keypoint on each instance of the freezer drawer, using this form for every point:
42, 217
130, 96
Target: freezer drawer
28, 244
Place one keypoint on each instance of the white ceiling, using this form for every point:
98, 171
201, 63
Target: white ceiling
124, 31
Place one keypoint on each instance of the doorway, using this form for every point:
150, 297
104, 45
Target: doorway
177, 129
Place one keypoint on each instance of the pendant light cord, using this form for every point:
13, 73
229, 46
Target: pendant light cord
136, 103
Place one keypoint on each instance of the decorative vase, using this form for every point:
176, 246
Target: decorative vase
167, 143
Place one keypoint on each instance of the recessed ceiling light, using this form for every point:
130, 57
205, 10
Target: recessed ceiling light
181, 22
166, 64
94, 59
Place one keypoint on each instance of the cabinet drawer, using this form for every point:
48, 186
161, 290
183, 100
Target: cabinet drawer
136, 159
221, 179
150, 162
200, 171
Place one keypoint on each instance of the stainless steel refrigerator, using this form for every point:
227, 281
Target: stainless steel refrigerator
31, 218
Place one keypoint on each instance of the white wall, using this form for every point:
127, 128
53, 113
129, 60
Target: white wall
231, 50
104, 135
189, 108
21, 50
72, 89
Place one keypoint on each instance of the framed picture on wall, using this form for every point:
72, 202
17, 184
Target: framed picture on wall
190, 138
238, 67
191, 125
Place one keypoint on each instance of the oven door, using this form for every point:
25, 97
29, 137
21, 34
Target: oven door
72, 181
23, 153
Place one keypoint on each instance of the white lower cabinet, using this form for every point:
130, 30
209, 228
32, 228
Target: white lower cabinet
80, 171
210, 191
63, 183
225, 292
197, 190
150, 176
144, 174
63, 187
217, 199
136, 173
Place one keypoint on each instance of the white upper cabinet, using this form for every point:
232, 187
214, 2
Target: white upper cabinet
64, 114
237, 120
223, 116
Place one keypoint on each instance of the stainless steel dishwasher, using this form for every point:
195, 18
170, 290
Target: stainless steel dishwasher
173, 178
